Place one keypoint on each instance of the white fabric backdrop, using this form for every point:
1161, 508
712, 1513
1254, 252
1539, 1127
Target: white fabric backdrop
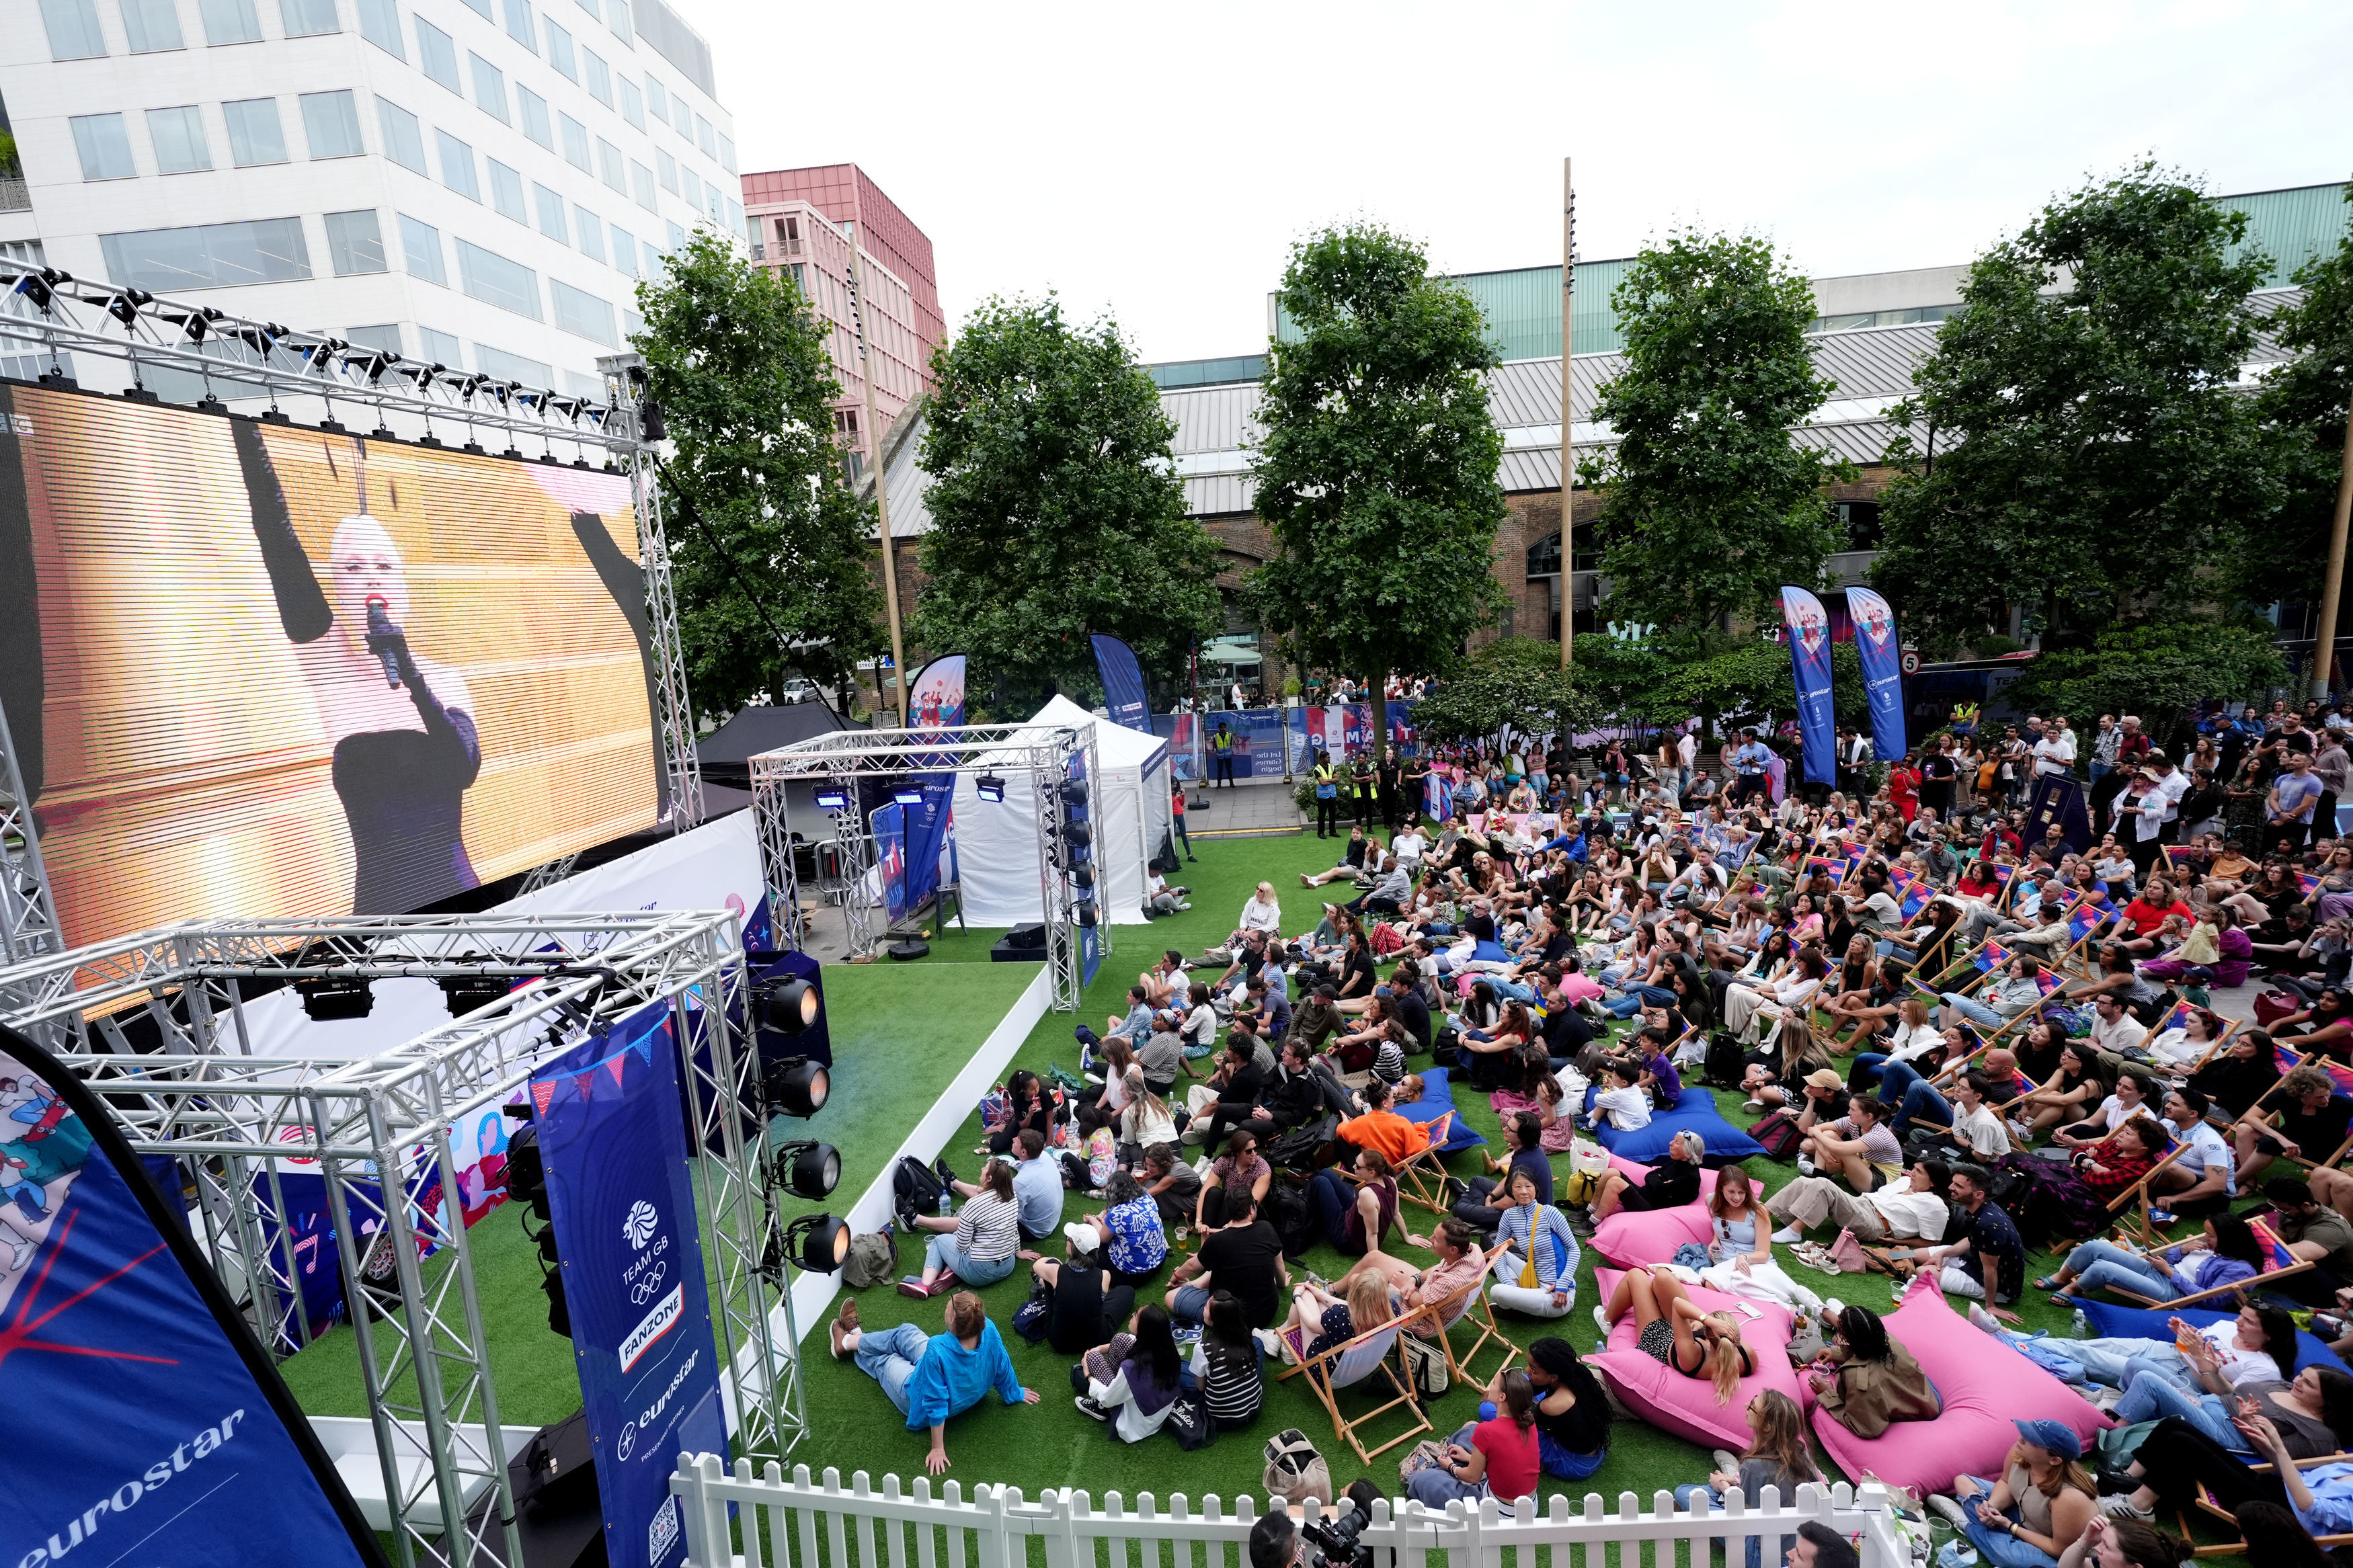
996, 841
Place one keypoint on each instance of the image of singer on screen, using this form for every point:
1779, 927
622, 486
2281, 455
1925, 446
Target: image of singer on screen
401, 724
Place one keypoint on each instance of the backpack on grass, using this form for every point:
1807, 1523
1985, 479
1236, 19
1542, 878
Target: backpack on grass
915, 1189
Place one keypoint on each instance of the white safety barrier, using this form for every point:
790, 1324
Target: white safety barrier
777, 1523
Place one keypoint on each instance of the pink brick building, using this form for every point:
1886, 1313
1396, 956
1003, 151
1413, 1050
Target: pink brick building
804, 222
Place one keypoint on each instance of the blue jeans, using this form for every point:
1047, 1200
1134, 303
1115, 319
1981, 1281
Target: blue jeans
2098, 1264
1979, 1014
2111, 1361
1511, 990
1334, 1197
1188, 1304
2151, 1396
1639, 996
941, 1249
1562, 1465
889, 1356
1435, 1488
1869, 1064
1699, 1499
1997, 1547
1900, 1085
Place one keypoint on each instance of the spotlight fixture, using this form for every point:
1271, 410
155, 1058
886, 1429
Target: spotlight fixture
812, 1168
796, 1086
989, 786
1074, 793
832, 798
649, 421
1079, 834
818, 1243
335, 997
1083, 876
1087, 915
908, 795
788, 1006
466, 993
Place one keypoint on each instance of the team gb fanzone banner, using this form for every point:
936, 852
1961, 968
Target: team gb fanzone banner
612, 1136
1883, 669
1809, 662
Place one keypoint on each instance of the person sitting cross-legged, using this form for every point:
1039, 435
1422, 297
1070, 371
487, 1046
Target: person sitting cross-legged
932, 1378
1857, 1146
1131, 1382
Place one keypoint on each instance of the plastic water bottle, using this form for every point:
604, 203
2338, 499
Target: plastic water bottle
2083, 1325
945, 1196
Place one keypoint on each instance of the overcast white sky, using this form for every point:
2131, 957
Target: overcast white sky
1156, 162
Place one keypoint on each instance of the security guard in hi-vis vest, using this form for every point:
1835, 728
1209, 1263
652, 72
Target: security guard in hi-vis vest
1327, 796
1368, 787
1221, 756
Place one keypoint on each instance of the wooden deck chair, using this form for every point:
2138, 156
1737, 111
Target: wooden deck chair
1421, 1179
2207, 1504
1358, 1360
2229, 1028
2138, 1196
1469, 1305
2282, 1264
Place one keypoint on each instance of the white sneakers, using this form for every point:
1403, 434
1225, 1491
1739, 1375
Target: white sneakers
1788, 1236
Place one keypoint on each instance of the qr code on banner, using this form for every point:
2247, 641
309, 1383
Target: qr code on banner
663, 1531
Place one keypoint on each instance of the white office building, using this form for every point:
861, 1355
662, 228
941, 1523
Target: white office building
480, 183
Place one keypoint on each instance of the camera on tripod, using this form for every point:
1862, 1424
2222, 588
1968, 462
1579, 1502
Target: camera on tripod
1334, 1539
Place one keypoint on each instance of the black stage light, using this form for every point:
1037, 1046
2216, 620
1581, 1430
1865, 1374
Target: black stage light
989, 786
812, 1168
832, 797
1083, 876
649, 421
1075, 792
335, 997
465, 993
818, 1243
788, 1006
1079, 834
796, 1086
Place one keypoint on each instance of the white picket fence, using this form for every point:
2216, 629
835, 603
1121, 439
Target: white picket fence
798, 1523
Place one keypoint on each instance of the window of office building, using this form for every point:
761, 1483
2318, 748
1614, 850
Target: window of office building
575, 142
404, 138
727, 154
208, 255
506, 192
73, 29
590, 228
641, 185
151, 25
510, 367
439, 348
489, 87
633, 103
611, 167
480, 9
535, 122
582, 313
104, 147
551, 213
385, 337
706, 137
178, 137
230, 21
457, 165
625, 250
520, 26
668, 166
599, 77
254, 134
495, 280
656, 98
305, 19
559, 50
380, 26
436, 55
330, 120
420, 249
617, 16
355, 243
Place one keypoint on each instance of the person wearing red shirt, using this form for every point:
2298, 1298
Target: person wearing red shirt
1497, 1458
1904, 787
2000, 841
2148, 911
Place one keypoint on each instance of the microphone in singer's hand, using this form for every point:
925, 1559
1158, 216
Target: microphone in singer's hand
380, 632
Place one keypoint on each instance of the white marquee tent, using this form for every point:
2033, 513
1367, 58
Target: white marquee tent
1128, 806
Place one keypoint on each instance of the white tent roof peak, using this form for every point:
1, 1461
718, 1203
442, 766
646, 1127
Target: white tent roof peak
1116, 745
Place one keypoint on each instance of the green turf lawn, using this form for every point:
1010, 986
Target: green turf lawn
1051, 1444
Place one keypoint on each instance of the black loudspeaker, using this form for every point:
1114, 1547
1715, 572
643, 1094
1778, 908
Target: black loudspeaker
1005, 953
1023, 938
559, 1470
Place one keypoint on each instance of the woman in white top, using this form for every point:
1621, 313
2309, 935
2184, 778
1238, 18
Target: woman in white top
1145, 1119
1262, 911
1747, 1009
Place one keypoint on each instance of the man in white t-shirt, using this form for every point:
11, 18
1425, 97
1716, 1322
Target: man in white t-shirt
2203, 1177
1408, 845
2055, 753
1906, 1207
2114, 1030
1977, 1131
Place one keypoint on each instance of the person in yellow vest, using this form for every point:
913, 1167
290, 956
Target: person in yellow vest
1327, 796
1221, 756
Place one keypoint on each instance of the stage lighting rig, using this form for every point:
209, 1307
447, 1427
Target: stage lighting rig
466, 993
989, 787
832, 798
908, 795
527, 1185
788, 1004
818, 1243
795, 1086
811, 1169
329, 997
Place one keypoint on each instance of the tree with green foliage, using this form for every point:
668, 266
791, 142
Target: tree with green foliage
1751, 682
2162, 669
2303, 402
1056, 509
770, 554
1375, 473
1515, 683
1710, 505
2091, 461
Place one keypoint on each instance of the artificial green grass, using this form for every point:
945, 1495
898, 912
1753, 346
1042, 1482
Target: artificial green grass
900, 1037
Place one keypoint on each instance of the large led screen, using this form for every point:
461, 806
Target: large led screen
251, 668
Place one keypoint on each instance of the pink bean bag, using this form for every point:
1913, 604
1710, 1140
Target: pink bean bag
1983, 1384
1633, 1239
1686, 1405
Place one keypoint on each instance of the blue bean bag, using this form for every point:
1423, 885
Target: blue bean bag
1694, 1112
2112, 1322
1437, 1100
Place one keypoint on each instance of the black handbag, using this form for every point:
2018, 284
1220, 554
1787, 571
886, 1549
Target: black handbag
1189, 1422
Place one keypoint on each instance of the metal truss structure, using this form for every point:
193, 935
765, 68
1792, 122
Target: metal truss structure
1044, 753
28, 917
378, 1131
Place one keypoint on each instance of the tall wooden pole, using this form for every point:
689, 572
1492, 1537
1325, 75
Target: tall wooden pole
881, 494
2324, 646
1568, 411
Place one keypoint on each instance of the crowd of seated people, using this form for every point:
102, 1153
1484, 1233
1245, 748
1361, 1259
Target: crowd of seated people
1969, 1031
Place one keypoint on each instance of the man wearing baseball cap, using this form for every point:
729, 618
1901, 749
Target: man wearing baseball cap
2042, 1504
